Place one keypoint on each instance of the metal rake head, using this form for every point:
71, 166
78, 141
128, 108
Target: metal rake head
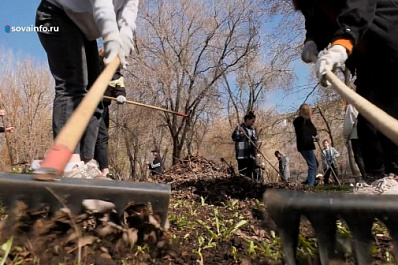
71, 193
323, 210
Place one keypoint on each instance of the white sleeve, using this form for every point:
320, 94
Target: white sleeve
126, 18
349, 121
105, 18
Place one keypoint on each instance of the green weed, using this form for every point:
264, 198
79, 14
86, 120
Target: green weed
6, 248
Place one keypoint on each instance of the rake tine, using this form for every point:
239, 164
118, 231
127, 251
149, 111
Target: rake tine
391, 221
322, 210
359, 211
361, 227
288, 230
325, 229
287, 222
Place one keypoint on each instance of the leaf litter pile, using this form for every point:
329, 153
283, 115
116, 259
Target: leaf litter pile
215, 217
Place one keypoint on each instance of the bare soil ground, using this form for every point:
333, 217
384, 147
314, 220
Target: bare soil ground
215, 217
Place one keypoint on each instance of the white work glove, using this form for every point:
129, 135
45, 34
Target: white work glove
330, 59
315, 138
126, 35
112, 49
121, 99
121, 45
309, 54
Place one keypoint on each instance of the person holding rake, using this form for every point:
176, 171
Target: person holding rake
329, 162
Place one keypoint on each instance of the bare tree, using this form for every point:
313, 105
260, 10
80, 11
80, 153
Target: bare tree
186, 47
252, 82
27, 94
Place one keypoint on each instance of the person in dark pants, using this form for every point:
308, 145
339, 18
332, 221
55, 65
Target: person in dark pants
117, 90
329, 162
245, 149
363, 35
259, 168
156, 166
283, 165
305, 135
69, 29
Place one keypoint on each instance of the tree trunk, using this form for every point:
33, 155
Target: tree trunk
189, 141
130, 155
176, 151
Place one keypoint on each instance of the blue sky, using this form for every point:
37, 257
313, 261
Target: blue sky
20, 13
289, 101
23, 44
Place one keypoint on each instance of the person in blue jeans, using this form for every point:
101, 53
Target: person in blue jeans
306, 133
73, 58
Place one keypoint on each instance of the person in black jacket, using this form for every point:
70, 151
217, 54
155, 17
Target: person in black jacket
245, 140
156, 166
364, 36
117, 90
306, 133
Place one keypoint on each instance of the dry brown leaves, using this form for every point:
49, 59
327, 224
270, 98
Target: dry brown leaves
98, 234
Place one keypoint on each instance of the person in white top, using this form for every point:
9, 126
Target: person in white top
68, 30
350, 135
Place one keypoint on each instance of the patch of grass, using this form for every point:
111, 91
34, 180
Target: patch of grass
232, 205
224, 229
268, 248
307, 245
379, 228
141, 249
180, 221
21, 170
234, 253
342, 230
333, 188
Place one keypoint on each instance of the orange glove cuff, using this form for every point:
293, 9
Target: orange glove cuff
346, 43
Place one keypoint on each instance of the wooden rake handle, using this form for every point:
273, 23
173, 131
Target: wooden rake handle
379, 118
149, 106
70, 135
